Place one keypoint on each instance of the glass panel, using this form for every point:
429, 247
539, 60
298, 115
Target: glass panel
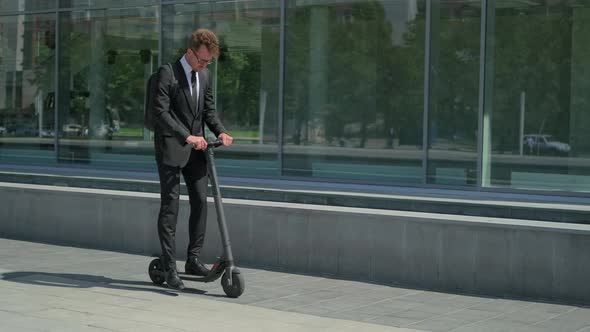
246, 75
354, 90
105, 59
454, 92
26, 5
538, 95
27, 85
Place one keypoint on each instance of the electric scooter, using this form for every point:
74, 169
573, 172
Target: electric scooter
232, 280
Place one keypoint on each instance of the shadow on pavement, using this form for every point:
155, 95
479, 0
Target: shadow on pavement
70, 280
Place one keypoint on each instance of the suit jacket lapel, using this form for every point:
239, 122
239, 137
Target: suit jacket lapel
202, 82
185, 87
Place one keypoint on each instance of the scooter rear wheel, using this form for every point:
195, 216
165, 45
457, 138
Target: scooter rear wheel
156, 272
237, 287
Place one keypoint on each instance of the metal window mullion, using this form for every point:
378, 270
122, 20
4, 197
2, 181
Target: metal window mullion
160, 33
56, 90
281, 97
425, 133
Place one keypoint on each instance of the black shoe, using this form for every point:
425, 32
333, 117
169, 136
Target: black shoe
173, 280
195, 267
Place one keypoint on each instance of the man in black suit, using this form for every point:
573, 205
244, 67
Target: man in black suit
182, 105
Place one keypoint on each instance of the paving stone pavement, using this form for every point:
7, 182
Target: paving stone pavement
55, 288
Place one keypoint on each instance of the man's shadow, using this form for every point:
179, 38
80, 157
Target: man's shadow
71, 280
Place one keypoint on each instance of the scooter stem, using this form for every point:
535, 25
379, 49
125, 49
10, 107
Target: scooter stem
227, 253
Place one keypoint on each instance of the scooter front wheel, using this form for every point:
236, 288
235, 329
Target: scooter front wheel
156, 272
237, 284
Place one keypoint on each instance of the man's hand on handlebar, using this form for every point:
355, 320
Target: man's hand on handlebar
225, 139
198, 142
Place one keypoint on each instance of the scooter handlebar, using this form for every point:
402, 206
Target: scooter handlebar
214, 144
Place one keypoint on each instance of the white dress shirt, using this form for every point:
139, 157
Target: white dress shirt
187, 71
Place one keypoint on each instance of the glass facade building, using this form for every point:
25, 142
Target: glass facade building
463, 94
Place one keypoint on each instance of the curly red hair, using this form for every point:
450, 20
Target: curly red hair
205, 37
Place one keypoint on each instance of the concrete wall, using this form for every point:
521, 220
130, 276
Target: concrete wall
498, 257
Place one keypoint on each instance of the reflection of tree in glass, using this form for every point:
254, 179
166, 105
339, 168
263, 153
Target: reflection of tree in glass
355, 52
454, 75
373, 87
401, 85
532, 54
238, 87
125, 88
44, 67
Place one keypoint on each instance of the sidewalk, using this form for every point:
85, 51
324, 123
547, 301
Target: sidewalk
54, 288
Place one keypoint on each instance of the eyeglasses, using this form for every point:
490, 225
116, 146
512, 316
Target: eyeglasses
202, 61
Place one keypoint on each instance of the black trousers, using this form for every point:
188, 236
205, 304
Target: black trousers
195, 177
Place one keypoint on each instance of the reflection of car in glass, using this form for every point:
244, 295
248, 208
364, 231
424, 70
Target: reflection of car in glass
2, 131
23, 130
72, 129
46, 133
544, 144
100, 131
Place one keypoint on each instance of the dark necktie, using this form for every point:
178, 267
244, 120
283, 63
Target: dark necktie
194, 87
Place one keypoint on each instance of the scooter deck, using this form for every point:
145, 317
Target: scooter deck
186, 276
192, 277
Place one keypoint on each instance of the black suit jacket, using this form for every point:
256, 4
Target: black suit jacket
177, 117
